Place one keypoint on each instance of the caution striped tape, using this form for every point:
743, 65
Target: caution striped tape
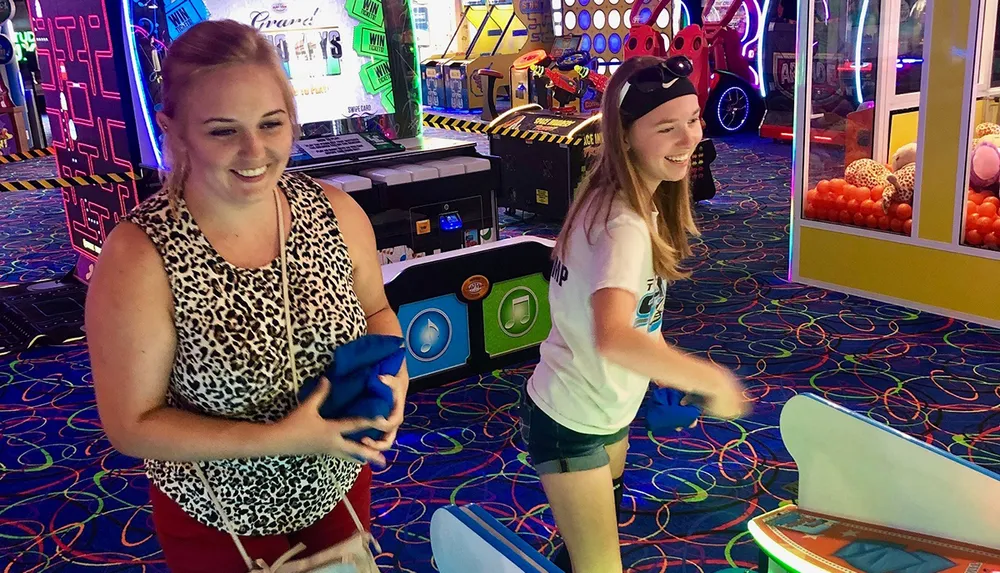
63, 182
30, 154
473, 126
454, 123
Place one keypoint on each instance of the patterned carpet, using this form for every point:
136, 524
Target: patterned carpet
68, 502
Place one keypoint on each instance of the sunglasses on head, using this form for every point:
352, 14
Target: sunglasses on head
652, 78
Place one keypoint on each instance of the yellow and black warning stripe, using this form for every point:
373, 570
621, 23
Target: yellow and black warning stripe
539, 136
454, 123
473, 126
63, 182
30, 154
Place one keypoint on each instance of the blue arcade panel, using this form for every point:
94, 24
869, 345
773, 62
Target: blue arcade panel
473, 310
436, 332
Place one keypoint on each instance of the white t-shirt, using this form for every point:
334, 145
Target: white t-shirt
573, 384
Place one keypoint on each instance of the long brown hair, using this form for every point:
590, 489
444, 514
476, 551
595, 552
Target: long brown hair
612, 174
204, 48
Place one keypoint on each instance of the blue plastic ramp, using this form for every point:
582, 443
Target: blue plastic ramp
466, 539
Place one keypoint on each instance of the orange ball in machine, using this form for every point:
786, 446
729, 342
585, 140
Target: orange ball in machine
987, 210
867, 207
990, 241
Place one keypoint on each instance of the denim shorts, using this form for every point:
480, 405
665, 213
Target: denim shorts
554, 448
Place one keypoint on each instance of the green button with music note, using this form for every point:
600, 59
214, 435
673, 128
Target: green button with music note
516, 314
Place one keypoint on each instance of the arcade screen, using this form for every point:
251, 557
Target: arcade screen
563, 45
334, 52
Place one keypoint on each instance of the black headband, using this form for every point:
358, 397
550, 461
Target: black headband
651, 87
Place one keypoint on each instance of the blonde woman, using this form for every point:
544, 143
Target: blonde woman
205, 293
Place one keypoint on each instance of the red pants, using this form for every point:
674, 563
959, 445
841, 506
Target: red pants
191, 547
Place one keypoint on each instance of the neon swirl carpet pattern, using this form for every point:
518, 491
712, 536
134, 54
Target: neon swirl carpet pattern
69, 502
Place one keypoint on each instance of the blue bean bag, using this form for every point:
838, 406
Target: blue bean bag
356, 391
665, 414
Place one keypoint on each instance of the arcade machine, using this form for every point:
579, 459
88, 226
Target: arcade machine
424, 196
508, 30
854, 509
842, 89
360, 121
462, 91
733, 103
534, 79
540, 172
535, 75
434, 71
13, 110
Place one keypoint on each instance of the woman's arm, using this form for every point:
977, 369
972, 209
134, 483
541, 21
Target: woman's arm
131, 337
616, 262
618, 341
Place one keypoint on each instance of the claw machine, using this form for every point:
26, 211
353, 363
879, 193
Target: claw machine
905, 209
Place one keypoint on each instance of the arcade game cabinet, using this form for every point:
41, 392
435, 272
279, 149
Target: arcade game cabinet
540, 172
490, 35
531, 76
351, 63
841, 93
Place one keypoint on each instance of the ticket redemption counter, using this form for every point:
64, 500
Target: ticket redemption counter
888, 213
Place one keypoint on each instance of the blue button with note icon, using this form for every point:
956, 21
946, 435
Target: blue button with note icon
429, 334
437, 334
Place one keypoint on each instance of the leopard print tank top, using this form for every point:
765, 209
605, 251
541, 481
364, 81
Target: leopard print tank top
232, 357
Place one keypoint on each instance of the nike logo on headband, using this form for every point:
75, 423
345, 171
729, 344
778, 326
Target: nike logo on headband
627, 85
